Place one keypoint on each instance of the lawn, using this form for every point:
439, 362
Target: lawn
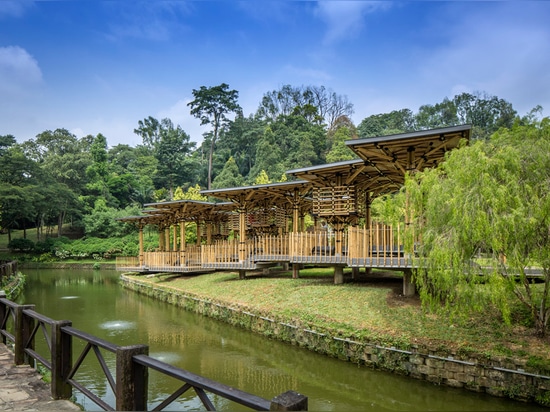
370, 308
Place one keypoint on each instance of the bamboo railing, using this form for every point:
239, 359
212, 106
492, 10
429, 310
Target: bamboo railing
127, 263
377, 246
230, 254
318, 247
173, 261
272, 248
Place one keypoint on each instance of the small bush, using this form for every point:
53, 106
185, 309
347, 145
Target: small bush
21, 245
50, 244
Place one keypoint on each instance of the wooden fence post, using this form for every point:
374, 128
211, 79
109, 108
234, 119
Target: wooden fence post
3, 310
62, 354
289, 401
131, 379
22, 328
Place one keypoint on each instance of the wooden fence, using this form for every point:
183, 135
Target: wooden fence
7, 268
129, 381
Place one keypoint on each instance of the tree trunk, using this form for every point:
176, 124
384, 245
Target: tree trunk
60, 220
211, 155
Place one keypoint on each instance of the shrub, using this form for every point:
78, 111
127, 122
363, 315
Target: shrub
50, 244
21, 245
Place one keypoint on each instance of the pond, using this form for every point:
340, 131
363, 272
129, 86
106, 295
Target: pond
96, 303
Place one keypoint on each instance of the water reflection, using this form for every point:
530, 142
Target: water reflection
226, 353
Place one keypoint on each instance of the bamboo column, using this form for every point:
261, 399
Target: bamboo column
242, 233
368, 226
182, 243
408, 282
295, 221
141, 248
175, 241
199, 235
208, 233
167, 238
161, 238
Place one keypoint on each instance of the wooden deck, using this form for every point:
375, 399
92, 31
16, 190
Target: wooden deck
378, 247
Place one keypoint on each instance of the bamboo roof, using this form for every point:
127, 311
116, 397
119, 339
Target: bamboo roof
191, 210
392, 156
280, 194
385, 160
150, 219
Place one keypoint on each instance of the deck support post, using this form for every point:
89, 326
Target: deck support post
355, 273
338, 275
296, 270
242, 274
408, 283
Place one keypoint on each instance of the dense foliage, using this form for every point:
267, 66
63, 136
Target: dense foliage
57, 181
486, 211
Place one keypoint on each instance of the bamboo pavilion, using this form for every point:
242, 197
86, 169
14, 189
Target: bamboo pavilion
254, 227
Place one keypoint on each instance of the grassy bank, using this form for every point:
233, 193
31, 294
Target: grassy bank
370, 309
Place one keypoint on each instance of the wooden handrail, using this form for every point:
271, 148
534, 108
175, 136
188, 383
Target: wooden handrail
130, 382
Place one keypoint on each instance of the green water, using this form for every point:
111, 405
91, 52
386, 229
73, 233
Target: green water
96, 303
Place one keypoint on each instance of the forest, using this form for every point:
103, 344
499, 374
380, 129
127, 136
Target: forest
69, 187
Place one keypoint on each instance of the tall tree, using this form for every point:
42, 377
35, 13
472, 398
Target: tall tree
269, 157
315, 103
486, 113
171, 151
240, 140
149, 131
396, 121
20, 176
6, 141
212, 105
229, 176
343, 129
171, 147
98, 171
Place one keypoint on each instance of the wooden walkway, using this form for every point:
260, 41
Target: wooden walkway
22, 388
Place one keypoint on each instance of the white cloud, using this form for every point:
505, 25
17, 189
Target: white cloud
345, 19
19, 72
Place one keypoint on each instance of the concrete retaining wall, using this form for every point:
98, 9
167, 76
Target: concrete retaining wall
499, 377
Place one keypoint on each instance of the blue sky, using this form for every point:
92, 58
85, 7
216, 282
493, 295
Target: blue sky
101, 66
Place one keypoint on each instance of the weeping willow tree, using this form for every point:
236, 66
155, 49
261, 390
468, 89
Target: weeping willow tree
483, 218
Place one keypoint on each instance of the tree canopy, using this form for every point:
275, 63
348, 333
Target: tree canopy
57, 178
212, 105
488, 200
